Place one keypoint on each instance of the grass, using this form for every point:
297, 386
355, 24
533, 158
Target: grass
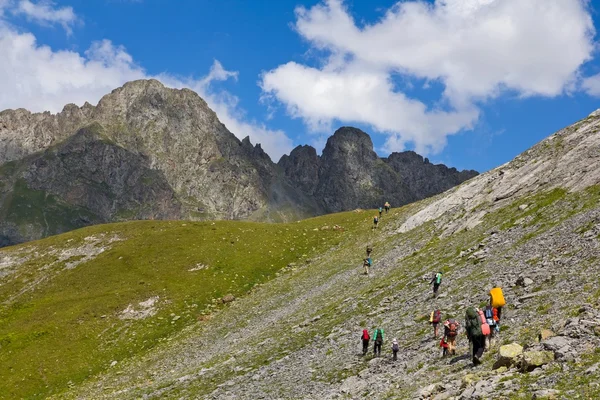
63, 331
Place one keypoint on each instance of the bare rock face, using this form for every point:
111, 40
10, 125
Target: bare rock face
84, 180
147, 151
349, 174
302, 168
423, 178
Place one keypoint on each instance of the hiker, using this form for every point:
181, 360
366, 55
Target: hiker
387, 207
365, 341
437, 281
435, 318
369, 250
366, 264
395, 348
378, 336
497, 300
375, 222
491, 317
450, 334
444, 346
380, 211
475, 333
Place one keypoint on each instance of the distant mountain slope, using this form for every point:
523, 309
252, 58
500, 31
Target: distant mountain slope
139, 309
210, 173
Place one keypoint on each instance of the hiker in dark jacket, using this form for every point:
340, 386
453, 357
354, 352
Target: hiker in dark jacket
375, 221
395, 348
437, 281
474, 333
378, 337
365, 341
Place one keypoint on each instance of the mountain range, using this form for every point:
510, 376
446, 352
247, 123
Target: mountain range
150, 152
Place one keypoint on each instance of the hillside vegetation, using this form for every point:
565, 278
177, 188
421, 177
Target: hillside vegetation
531, 226
63, 298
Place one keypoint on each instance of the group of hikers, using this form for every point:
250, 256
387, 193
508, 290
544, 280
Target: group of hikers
481, 325
386, 207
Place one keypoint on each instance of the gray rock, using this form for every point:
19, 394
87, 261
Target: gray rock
353, 385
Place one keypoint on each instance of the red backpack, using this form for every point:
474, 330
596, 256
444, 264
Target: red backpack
437, 316
485, 328
452, 328
365, 335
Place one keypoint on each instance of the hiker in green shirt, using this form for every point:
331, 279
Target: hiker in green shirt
378, 337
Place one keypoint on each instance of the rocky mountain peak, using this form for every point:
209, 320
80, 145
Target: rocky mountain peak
349, 145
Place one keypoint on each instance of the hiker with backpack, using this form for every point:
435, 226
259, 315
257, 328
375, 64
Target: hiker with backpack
476, 330
386, 207
369, 250
395, 348
367, 262
497, 300
450, 334
378, 337
375, 222
435, 318
491, 317
365, 341
380, 211
437, 281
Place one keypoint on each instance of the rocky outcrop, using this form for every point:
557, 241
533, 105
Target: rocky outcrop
350, 175
424, 179
86, 179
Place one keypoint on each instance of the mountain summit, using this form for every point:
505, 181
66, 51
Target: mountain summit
172, 158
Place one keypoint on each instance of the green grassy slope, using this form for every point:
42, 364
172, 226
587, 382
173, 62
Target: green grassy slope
59, 321
308, 322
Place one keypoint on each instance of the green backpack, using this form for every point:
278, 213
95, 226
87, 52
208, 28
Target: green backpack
473, 323
438, 278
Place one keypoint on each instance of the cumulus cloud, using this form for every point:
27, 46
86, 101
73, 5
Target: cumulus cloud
46, 12
476, 49
39, 78
591, 85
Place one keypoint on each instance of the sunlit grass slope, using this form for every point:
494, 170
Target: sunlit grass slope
61, 310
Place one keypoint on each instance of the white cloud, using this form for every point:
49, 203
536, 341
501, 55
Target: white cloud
477, 49
45, 12
591, 85
41, 79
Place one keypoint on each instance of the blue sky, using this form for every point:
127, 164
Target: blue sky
470, 83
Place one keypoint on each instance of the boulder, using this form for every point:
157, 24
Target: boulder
353, 385
228, 299
535, 359
429, 391
546, 394
508, 355
559, 345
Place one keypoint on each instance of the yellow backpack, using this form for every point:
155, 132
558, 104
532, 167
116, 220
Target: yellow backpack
497, 297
